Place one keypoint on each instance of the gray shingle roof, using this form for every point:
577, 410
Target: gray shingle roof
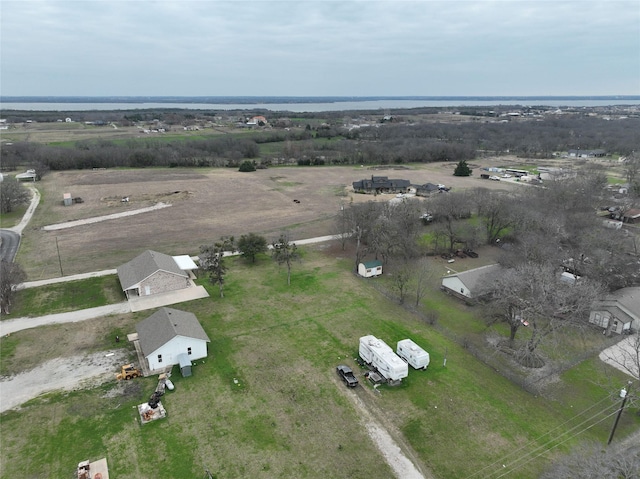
623, 303
472, 278
145, 265
164, 325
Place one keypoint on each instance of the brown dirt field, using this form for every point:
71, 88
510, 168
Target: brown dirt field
206, 204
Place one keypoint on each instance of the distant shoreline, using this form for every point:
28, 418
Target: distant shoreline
303, 104
302, 99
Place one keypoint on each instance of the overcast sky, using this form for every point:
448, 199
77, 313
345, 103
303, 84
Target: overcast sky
319, 47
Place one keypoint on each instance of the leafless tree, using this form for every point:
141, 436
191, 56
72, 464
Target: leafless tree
448, 209
593, 461
626, 355
421, 278
285, 252
342, 226
533, 293
400, 279
496, 209
12, 194
11, 274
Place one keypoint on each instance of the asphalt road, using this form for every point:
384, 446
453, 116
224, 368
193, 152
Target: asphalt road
10, 237
9, 242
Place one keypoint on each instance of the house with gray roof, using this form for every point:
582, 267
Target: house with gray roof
427, 189
619, 311
170, 336
466, 285
152, 273
381, 184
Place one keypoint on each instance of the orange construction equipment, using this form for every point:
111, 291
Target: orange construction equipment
128, 372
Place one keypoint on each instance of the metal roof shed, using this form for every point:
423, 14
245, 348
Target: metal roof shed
185, 365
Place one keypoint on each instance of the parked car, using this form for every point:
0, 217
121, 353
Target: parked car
471, 253
347, 375
494, 178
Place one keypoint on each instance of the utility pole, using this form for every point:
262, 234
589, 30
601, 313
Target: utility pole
624, 394
59, 260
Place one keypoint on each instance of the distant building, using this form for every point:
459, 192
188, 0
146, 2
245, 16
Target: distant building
587, 153
381, 184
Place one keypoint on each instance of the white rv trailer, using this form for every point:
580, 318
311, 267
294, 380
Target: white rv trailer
378, 354
417, 357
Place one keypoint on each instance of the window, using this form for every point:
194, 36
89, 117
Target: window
189, 351
159, 358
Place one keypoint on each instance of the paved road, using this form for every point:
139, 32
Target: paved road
10, 237
9, 242
18, 324
9, 326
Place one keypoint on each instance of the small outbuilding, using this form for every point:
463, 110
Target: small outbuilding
368, 269
67, 200
185, 365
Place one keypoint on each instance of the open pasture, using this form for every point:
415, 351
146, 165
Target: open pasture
206, 204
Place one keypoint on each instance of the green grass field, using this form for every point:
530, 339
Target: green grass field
267, 402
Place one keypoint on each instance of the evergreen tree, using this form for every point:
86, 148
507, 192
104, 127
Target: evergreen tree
462, 169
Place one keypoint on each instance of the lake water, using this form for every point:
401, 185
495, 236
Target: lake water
382, 104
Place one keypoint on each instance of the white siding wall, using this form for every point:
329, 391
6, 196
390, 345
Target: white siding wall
454, 284
367, 273
173, 348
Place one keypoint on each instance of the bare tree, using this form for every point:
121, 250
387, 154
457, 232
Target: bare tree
496, 208
448, 209
532, 294
362, 218
421, 279
343, 226
626, 355
12, 194
401, 278
285, 252
11, 274
592, 461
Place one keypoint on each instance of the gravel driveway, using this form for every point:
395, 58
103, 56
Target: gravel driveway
61, 373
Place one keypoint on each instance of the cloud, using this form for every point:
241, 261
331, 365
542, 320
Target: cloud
319, 47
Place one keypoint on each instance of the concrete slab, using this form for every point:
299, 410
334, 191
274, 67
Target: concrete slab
142, 303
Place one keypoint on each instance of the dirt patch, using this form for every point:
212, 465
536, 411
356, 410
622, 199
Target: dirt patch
76, 372
144, 199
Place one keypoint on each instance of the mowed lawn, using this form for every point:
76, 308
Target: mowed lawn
267, 402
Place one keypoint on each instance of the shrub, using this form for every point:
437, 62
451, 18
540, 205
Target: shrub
246, 166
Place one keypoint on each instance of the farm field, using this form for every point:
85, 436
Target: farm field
205, 205
268, 403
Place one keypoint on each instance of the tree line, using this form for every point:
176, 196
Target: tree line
541, 232
393, 143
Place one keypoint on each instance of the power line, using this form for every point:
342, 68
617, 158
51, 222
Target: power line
556, 445
535, 441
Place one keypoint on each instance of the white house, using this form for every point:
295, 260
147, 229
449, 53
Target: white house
465, 285
618, 311
367, 269
168, 334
